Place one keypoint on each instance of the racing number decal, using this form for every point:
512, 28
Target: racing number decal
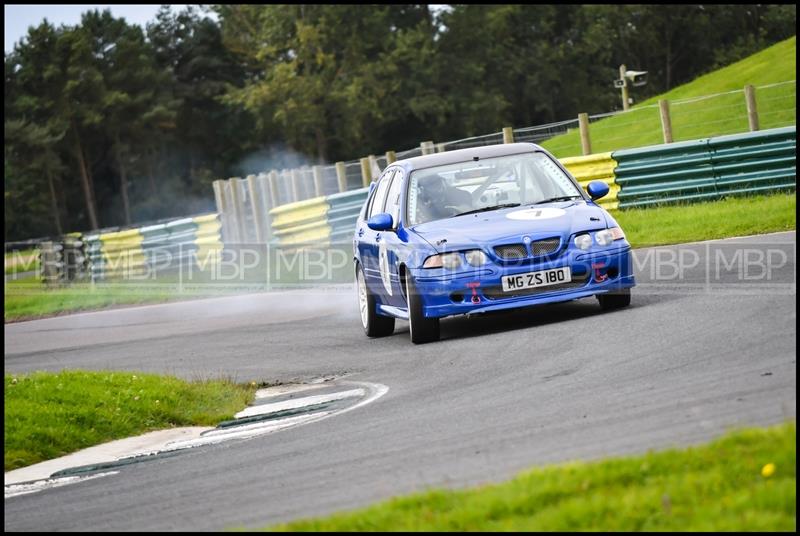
536, 214
383, 265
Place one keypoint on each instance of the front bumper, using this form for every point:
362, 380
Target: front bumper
480, 290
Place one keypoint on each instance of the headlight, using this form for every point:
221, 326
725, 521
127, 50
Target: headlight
451, 261
606, 236
583, 241
476, 257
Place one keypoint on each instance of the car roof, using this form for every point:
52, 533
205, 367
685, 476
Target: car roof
464, 155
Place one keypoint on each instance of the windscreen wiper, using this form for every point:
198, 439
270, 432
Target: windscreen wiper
554, 199
484, 209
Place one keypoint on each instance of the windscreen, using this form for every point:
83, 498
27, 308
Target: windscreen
474, 186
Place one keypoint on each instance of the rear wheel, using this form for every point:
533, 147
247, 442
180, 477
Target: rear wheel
374, 325
422, 329
615, 300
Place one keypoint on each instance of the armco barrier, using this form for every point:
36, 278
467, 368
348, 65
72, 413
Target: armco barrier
707, 169
301, 222
155, 245
595, 167
94, 252
755, 162
208, 239
122, 253
343, 213
182, 244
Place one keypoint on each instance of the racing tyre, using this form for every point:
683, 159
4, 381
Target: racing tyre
374, 325
615, 300
422, 329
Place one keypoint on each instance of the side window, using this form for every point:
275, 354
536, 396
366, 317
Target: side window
376, 206
393, 197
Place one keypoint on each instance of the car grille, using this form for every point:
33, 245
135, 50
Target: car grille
545, 247
496, 292
513, 251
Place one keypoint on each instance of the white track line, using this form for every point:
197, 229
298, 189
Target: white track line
40, 485
263, 409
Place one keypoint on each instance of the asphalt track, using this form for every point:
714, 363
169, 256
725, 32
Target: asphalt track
694, 355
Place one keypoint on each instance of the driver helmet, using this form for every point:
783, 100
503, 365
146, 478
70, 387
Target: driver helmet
432, 188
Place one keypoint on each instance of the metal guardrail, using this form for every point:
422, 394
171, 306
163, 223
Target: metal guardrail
707, 169
304, 221
343, 213
596, 167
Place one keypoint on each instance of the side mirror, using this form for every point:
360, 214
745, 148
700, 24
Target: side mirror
380, 222
597, 189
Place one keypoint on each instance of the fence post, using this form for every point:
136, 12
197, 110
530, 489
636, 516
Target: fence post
583, 123
391, 157
508, 135
366, 174
440, 147
752, 110
274, 193
318, 186
294, 178
373, 164
255, 206
666, 122
341, 176
624, 87
427, 147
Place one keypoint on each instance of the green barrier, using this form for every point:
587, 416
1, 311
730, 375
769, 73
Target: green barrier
304, 222
595, 167
664, 173
343, 214
755, 162
182, 235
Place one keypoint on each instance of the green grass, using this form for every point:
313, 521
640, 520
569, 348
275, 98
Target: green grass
677, 224
21, 261
713, 487
725, 114
48, 415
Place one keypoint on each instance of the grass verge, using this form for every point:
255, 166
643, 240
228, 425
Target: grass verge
48, 415
721, 486
739, 216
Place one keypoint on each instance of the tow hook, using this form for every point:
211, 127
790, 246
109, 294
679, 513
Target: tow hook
474, 286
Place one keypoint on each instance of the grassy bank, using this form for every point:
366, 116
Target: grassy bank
725, 113
726, 485
48, 415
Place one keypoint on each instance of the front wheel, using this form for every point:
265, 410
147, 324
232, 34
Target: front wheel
615, 300
422, 329
374, 325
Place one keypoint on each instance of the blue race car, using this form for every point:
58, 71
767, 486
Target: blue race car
479, 230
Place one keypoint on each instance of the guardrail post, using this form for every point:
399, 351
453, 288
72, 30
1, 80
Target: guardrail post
366, 174
508, 135
583, 124
341, 176
318, 186
255, 206
752, 110
427, 147
666, 122
391, 157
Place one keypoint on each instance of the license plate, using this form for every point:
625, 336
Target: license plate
545, 278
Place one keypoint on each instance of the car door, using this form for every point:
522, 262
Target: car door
390, 245
368, 239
